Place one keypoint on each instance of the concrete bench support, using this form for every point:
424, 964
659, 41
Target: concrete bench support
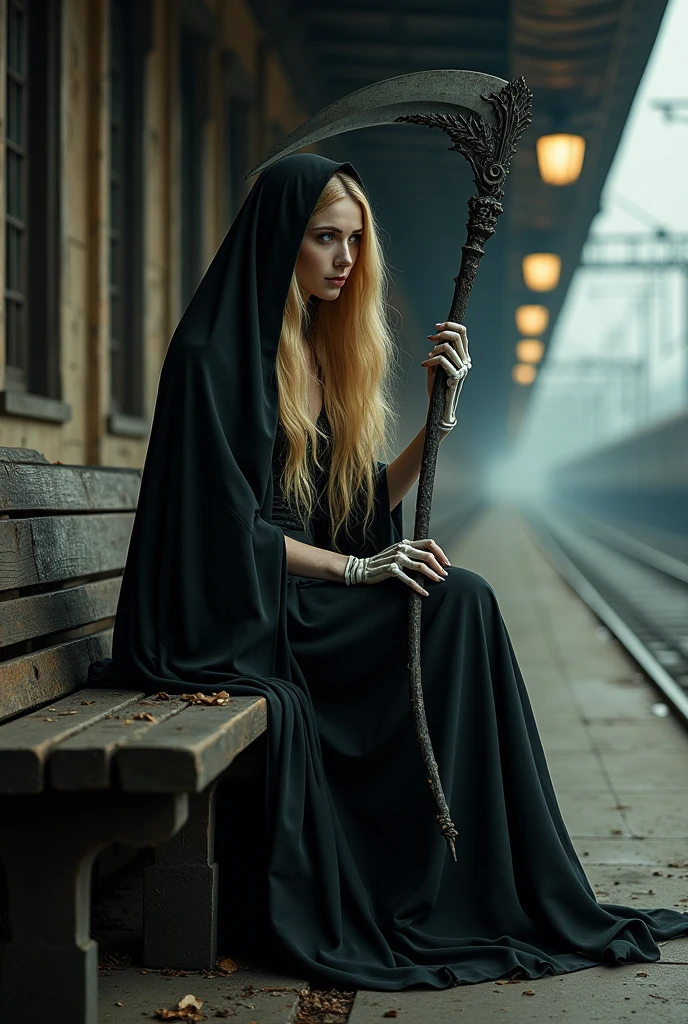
180, 893
47, 845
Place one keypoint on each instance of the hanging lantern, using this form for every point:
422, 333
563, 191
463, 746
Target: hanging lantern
541, 271
524, 373
530, 350
532, 319
560, 158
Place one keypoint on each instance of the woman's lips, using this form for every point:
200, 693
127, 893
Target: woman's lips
337, 280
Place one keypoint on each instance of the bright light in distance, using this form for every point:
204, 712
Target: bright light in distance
532, 319
541, 271
529, 350
560, 158
524, 373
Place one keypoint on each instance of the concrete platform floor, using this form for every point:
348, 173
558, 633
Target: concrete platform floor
620, 774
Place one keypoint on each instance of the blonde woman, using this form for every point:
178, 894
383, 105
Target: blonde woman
268, 557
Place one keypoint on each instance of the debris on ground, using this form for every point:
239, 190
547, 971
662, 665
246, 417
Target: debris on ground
324, 1006
188, 1008
228, 965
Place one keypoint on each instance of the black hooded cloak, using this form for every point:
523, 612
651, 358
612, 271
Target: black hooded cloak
361, 892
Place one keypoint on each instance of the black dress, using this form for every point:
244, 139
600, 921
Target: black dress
361, 890
518, 898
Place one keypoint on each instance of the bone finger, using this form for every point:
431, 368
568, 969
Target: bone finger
412, 583
427, 555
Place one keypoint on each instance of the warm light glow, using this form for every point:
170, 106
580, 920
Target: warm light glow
560, 158
541, 271
532, 319
524, 373
529, 350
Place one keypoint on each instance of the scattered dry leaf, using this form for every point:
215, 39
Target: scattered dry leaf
161, 695
143, 716
88, 702
390, 1013
228, 965
616, 831
671, 864
641, 974
63, 714
119, 1003
188, 1008
208, 699
316, 1005
48, 719
528, 992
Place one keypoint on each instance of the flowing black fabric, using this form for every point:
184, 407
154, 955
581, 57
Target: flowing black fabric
361, 891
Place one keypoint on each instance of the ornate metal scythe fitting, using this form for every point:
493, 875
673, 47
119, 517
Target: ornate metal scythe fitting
485, 118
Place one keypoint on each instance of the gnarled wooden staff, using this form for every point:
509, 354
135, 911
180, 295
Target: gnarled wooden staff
484, 118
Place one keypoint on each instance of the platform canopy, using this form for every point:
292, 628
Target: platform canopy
583, 60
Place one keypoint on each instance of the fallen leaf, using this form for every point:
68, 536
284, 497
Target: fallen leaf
390, 1013
48, 719
63, 714
616, 831
161, 695
641, 974
207, 699
88, 702
143, 716
528, 992
119, 1004
228, 965
190, 1000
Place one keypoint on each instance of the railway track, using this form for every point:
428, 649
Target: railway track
635, 579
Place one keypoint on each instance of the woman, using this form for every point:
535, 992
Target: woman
361, 891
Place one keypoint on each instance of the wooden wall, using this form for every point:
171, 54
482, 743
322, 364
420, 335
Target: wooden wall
84, 169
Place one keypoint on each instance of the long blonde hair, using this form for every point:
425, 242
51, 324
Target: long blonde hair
352, 342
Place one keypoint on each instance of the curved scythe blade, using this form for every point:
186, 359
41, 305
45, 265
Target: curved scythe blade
424, 92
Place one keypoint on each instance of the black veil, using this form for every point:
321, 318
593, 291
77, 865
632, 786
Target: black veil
202, 598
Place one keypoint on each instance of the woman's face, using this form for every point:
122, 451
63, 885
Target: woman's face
330, 248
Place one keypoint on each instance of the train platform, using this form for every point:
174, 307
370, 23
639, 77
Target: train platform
619, 770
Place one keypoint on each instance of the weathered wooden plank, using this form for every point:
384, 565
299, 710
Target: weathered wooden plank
22, 455
40, 614
33, 487
51, 673
84, 761
43, 549
26, 743
186, 755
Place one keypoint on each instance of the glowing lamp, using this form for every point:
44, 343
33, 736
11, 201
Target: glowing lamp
560, 158
541, 271
529, 350
532, 319
524, 373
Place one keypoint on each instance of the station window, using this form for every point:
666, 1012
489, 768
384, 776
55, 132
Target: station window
240, 99
32, 211
195, 42
130, 40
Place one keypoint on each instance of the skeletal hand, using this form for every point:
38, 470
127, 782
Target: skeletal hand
451, 353
423, 556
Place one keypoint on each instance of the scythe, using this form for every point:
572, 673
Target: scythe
484, 118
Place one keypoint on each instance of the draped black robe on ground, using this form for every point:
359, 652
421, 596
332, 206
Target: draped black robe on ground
361, 891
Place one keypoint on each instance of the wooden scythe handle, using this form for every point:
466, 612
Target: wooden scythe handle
489, 150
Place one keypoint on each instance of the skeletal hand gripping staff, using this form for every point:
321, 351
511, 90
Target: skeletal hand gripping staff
485, 117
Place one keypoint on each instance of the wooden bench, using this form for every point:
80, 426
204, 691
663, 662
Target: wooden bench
81, 769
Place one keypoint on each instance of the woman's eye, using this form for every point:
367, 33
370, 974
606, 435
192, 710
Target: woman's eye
327, 234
